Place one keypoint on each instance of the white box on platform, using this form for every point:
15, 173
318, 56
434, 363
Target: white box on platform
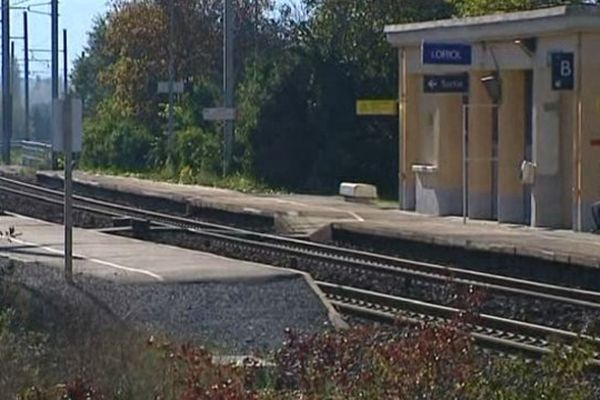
358, 191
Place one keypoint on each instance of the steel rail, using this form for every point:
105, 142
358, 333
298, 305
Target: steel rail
369, 262
491, 331
366, 259
359, 260
339, 257
500, 334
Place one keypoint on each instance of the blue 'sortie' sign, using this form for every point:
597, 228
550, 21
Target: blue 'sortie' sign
455, 83
447, 53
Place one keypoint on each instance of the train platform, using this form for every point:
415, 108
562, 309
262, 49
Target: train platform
240, 305
318, 216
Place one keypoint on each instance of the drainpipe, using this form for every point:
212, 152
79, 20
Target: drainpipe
578, 139
402, 131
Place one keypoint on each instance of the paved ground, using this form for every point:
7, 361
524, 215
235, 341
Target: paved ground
298, 214
240, 305
302, 214
128, 260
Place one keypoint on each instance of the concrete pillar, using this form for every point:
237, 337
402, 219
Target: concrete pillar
568, 122
512, 124
411, 114
546, 195
426, 160
480, 149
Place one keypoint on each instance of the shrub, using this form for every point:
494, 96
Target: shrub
116, 142
195, 151
435, 362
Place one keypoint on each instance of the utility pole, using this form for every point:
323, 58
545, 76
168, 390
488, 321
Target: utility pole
228, 82
12, 80
171, 122
54, 51
54, 66
6, 100
65, 63
26, 78
68, 206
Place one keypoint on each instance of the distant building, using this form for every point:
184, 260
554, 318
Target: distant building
521, 92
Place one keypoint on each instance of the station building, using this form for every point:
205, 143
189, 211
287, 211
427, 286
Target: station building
500, 116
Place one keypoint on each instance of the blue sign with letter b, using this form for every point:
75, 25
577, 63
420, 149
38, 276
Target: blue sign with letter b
563, 71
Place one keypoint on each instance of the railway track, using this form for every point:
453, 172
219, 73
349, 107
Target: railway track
501, 335
507, 335
484, 328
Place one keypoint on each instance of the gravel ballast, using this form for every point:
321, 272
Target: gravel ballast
234, 317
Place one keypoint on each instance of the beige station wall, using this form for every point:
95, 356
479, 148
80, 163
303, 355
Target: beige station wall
433, 139
511, 147
434, 133
480, 148
590, 123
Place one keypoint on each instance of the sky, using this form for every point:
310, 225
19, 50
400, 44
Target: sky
75, 15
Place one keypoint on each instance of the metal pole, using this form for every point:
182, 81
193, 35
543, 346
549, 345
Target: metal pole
65, 63
54, 65
26, 72
11, 94
6, 128
402, 134
171, 123
494, 162
579, 139
68, 209
228, 82
465, 166
54, 51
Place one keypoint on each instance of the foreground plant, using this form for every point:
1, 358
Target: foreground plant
192, 374
434, 362
562, 375
427, 362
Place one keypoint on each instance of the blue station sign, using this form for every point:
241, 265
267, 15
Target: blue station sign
447, 53
563, 71
454, 83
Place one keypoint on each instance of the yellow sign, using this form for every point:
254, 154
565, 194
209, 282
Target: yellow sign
377, 107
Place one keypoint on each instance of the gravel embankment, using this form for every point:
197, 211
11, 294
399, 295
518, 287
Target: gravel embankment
233, 317
544, 312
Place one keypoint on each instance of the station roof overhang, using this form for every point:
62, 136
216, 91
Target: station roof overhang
497, 27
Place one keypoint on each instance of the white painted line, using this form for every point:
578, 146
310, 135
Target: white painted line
25, 217
121, 267
355, 215
94, 260
296, 203
333, 209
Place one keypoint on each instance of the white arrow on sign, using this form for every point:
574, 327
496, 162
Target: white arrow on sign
432, 84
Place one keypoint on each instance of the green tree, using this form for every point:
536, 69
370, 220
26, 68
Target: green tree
89, 65
299, 75
128, 53
479, 7
305, 134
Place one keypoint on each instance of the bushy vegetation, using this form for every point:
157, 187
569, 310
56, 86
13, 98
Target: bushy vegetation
432, 362
62, 343
299, 70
